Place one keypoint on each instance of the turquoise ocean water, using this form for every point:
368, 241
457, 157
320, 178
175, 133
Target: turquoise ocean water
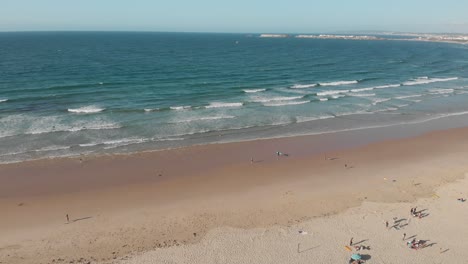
66, 94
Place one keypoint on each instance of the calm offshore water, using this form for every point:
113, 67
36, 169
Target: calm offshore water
64, 94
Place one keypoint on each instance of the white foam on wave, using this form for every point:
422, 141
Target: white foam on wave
408, 96
123, 142
273, 99
302, 119
362, 94
221, 105
441, 91
381, 100
385, 110
303, 86
360, 112
86, 110
387, 86
184, 107
151, 109
323, 99
337, 96
338, 83
254, 90
427, 80
3, 100
23, 124
84, 145
167, 139
362, 89
52, 148
206, 118
332, 92
286, 103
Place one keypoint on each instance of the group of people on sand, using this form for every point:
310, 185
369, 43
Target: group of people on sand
414, 213
416, 244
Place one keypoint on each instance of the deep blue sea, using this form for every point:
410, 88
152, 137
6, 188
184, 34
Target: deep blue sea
91, 93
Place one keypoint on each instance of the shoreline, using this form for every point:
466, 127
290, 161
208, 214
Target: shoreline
160, 199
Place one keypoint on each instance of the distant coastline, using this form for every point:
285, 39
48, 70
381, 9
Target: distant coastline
445, 38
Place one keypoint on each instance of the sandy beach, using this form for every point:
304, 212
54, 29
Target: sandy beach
211, 204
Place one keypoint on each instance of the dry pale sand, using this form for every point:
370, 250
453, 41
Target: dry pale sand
125, 205
323, 239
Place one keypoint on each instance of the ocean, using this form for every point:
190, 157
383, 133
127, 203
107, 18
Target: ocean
93, 93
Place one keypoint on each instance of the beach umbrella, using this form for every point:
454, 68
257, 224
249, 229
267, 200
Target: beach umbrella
356, 257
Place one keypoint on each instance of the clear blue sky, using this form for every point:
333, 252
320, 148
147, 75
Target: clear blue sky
292, 16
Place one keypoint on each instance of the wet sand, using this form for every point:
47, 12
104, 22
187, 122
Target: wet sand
124, 205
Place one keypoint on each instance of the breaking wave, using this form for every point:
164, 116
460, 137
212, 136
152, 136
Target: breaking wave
302, 86
286, 103
338, 83
86, 110
426, 80
220, 105
254, 90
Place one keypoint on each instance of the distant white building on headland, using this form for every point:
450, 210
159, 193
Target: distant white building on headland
274, 35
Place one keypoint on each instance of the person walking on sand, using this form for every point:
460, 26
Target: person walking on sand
404, 236
68, 219
351, 242
386, 224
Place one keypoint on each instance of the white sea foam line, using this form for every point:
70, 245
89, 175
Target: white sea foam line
362, 95
167, 139
426, 80
302, 86
338, 83
408, 96
76, 129
337, 96
331, 92
3, 100
86, 110
362, 89
352, 113
441, 91
323, 99
273, 99
385, 110
184, 107
401, 105
387, 86
151, 109
219, 105
203, 119
287, 103
378, 101
52, 148
89, 145
357, 90
123, 142
254, 90
301, 119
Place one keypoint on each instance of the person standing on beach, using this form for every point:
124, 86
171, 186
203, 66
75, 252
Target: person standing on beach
351, 242
68, 219
404, 236
386, 224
